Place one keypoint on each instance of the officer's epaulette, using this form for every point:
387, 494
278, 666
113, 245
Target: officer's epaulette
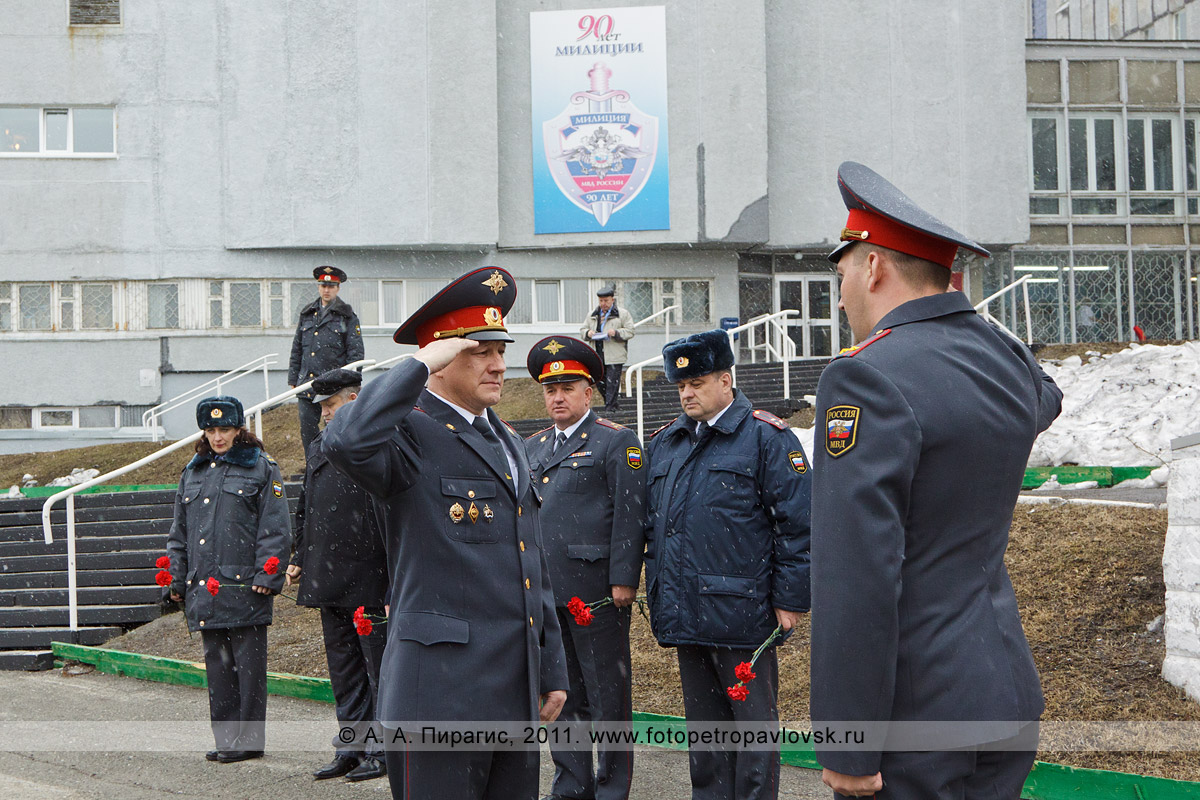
511, 429
270, 460
608, 423
850, 352
660, 430
770, 419
543, 430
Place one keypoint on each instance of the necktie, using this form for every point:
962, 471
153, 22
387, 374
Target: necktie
559, 441
485, 430
701, 433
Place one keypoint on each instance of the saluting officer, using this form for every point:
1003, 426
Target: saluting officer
472, 633
230, 535
341, 565
726, 556
328, 336
923, 433
589, 471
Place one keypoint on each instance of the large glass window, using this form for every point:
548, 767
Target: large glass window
163, 305
1092, 163
1151, 146
57, 131
363, 297
19, 130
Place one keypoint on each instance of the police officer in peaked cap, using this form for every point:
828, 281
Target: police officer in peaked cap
589, 472
923, 432
328, 336
472, 634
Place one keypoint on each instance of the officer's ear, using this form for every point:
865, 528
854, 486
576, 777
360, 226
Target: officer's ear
353, 396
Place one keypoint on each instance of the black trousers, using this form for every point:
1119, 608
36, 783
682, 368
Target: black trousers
354, 674
599, 671
968, 774
310, 422
723, 772
235, 660
416, 774
610, 387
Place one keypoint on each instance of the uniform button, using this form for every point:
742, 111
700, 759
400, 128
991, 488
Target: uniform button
186, 499
201, 541
471, 493
546, 479
238, 577
522, 547
206, 501
212, 464
583, 436
574, 463
239, 491
530, 622
520, 510
201, 623
527, 583
189, 583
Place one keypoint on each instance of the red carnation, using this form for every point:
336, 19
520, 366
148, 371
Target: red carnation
584, 617
364, 626
164, 562
744, 672
575, 605
272, 565
163, 578
359, 614
213, 585
738, 692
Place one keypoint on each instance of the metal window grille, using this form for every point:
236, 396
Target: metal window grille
638, 297
163, 302
66, 307
695, 301
301, 293
245, 305
34, 301
96, 301
95, 12
216, 304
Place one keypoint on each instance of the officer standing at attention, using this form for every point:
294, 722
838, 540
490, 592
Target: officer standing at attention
472, 634
608, 328
340, 564
230, 534
726, 556
923, 433
589, 471
328, 336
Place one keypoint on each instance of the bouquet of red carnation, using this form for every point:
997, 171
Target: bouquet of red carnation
363, 623
163, 578
583, 611
744, 671
272, 566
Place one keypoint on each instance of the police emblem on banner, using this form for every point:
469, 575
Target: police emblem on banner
841, 429
633, 456
600, 149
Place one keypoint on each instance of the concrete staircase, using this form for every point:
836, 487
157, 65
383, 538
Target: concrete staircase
762, 383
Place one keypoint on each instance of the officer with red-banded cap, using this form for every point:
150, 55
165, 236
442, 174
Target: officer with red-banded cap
472, 631
328, 336
589, 472
923, 432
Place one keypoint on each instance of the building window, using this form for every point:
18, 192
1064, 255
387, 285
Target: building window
216, 304
1043, 160
162, 305
1151, 144
66, 307
392, 307
1092, 163
6, 316
33, 300
16, 418
95, 12
96, 306
99, 417
363, 297
645, 297
57, 131
245, 304
694, 297
55, 418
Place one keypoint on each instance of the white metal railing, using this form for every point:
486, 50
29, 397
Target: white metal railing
69, 493
666, 321
982, 308
151, 418
787, 348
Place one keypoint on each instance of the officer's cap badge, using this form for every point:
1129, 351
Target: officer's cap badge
496, 283
217, 413
556, 366
492, 316
841, 429
681, 362
553, 347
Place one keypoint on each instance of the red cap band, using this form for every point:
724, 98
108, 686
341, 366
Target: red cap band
888, 233
329, 279
552, 369
460, 322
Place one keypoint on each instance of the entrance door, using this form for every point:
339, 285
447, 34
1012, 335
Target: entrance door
815, 330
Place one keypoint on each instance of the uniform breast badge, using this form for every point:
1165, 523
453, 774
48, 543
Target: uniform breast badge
487, 512
473, 513
457, 513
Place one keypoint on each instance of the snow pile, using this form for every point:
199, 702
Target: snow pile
1123, 409
806, 436
77, 476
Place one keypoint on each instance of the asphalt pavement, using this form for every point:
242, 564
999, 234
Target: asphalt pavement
85, 737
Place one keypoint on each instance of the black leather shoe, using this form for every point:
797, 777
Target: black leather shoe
370, 767
231, 756
211, 755
336, 768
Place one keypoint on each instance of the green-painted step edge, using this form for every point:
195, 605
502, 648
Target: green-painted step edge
46, 491
1046, 781
1104, 476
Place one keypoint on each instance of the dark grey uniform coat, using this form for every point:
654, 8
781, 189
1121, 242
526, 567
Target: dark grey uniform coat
472, 633
339, 544
592, 497
914, 617
324, 341
231, 515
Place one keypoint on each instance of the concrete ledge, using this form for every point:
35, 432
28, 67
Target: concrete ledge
1046, 781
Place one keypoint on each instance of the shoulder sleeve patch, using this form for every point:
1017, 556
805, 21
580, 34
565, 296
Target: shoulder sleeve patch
850, 352
608, 423
633, 457
841, 429
770, 419
798, 462
660, 430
